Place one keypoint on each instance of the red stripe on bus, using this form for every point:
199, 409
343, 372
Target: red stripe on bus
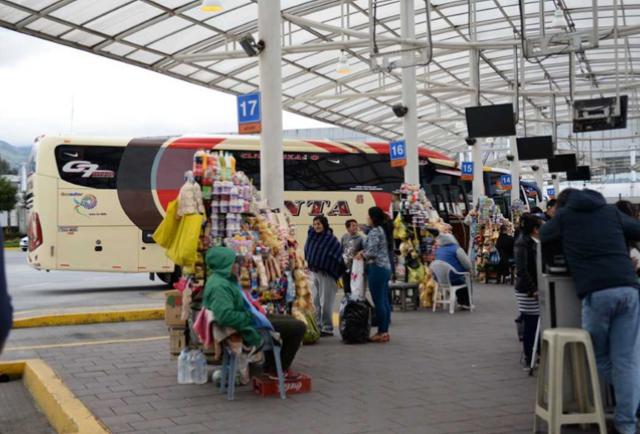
166, 196
382, 200
328, 147
197, 143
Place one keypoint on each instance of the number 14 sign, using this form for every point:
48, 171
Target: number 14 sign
249, 115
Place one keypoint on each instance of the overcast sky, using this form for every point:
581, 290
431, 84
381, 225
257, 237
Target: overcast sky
41, 81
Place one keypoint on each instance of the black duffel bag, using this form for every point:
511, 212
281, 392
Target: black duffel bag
355, 321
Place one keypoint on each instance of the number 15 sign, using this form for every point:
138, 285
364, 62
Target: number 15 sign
249, 115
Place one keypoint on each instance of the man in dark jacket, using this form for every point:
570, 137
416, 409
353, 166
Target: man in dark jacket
594, 237
6, 311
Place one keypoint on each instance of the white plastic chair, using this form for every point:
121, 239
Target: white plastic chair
441, 270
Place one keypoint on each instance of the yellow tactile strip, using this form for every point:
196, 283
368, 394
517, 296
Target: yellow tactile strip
79, 318
66, 414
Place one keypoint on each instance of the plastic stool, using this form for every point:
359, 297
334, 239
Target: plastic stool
230, 366
554, 344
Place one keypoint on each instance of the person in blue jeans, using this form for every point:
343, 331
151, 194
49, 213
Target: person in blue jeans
377, 248
595, 239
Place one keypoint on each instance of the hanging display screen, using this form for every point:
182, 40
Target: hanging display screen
535, 148
490, 121
562, 163
581, 173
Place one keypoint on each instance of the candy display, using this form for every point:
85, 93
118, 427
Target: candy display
416, 226
231, 214
486, 221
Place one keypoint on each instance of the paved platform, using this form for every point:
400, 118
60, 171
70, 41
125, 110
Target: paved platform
440, 374
19, 413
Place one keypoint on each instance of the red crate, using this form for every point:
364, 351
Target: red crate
265, 386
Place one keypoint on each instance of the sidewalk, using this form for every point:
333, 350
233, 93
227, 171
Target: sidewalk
440, 374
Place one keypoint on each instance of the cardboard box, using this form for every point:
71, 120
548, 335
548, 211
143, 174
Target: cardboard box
265, 386
177, 340
173, 309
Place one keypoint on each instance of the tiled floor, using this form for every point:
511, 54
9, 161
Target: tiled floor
440, 374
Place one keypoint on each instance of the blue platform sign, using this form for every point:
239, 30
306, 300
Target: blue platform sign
505, 182
398, 153
467, 170
551, 192
249, 113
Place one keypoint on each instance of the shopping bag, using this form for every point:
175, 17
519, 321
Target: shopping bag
168, 228
357, 280
183, 249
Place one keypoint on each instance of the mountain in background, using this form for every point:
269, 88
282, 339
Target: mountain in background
14, 155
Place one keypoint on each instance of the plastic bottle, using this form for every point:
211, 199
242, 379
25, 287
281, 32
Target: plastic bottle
200, 367
183, 367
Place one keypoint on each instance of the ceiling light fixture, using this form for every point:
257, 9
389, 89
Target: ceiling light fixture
212, 6
342, 67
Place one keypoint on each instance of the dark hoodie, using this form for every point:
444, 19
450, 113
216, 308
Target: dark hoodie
594, 237
6, 311
222, 295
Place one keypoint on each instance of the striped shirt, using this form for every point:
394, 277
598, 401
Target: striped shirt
527, 305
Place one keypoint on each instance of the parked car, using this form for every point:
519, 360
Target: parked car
24, 244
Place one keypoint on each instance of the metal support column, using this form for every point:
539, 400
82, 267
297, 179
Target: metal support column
271, 149
474, 74
409, 92
515, 171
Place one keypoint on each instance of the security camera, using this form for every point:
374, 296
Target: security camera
554, 176
510, 158
399, 110
535, 168
250, 46
470, 141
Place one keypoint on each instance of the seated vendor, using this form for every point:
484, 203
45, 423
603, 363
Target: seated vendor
223, 296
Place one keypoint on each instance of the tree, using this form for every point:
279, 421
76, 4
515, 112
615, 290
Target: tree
5, 168
8, 197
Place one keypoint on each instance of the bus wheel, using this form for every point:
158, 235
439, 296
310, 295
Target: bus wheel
170, 278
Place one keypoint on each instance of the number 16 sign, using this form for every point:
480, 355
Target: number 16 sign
249, 115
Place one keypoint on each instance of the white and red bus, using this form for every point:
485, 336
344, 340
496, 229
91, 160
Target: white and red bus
95, 202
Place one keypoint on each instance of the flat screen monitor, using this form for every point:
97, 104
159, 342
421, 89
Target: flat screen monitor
490, 121
562, 163
581, 173
535, 148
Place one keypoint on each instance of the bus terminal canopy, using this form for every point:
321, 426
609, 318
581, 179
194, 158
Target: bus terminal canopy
178, 39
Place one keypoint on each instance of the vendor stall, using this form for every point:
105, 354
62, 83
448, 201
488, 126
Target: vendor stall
416, 226
219, 206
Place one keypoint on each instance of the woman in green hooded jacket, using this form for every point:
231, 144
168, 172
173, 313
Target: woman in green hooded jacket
223, 296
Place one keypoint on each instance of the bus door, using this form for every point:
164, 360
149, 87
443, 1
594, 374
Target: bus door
94, 233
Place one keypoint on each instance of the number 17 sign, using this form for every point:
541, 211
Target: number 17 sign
249, 115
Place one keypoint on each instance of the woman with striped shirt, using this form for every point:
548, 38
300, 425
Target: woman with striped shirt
527, 280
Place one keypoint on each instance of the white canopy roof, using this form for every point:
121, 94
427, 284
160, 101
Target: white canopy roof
175, 38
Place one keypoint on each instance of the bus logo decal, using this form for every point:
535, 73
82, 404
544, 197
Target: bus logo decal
88, 202
341, 209
88, 169
294, 206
